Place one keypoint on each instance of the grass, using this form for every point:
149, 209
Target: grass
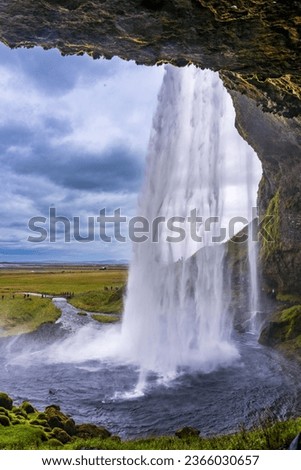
106, 318
95, 290
55, 282
26, 428
19, 315
273, 437
104, 300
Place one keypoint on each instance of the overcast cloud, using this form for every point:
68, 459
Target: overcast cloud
73, 135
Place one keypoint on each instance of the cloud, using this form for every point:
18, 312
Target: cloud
115, 169
48, 72
73, 135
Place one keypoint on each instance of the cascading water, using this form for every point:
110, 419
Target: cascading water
177, 315
176, 311
252, 250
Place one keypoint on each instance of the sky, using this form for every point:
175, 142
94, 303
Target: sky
73, 137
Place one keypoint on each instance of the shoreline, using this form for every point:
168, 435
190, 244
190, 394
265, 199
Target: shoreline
24, 427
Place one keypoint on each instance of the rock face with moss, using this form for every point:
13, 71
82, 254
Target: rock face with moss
254, 44
283, 331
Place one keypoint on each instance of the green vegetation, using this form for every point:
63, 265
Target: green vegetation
56, 281
284, 331
22, 315
290, 298
106, 318
272, 437
24, 427
93, 289
107, 300
272, 244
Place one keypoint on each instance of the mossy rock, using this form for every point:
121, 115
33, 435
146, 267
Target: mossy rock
39, 422
42, 416
70, 427
21, 413
57, 419
60, 435
27, 407
187, 432
4, 420
5, 401
115, 439
88, 431
54, 443
284, 326
14, 422
3, 411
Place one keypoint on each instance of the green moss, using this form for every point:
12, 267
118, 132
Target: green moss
39, 422
4, 420
5, 401
21, 436
60, 435
270, 230
27, 407
284, 331
53, 444
290, 298
292, 318
35, 433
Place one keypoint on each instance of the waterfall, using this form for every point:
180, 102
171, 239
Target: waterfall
176, 309
253, 295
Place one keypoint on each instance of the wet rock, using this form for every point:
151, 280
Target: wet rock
296, 443
27, 407
5, 401
187, 432
60, 435
87, 431
57, 419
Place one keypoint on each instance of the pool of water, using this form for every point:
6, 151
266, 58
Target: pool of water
104, 391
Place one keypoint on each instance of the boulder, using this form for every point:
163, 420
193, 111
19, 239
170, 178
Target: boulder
87, 431
187, 432
5, 401
296, 443
57, 419
27, 407
60, 435
4, 420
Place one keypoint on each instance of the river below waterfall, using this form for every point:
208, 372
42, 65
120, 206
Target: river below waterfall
100, 391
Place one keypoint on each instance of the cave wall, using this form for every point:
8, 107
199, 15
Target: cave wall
254, 44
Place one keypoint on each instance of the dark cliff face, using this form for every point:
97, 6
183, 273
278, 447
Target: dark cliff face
254, 44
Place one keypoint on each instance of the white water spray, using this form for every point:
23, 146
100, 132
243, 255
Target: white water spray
176, 312
253, 294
